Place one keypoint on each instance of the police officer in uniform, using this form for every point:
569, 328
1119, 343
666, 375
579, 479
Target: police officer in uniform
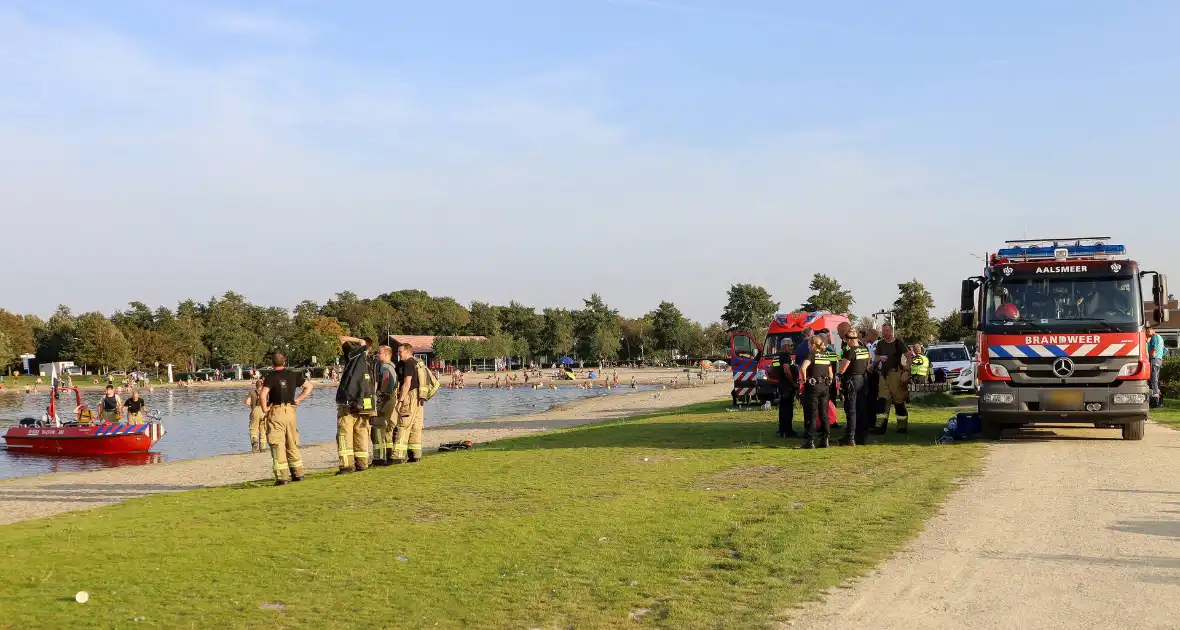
782, 369
854, 366
278, 403
919, 365
816, 375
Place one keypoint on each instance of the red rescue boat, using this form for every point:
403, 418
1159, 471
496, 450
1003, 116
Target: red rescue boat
80, 436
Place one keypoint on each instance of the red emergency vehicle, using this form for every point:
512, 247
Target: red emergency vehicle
1061, 335
750, 360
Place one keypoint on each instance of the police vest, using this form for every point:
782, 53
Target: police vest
820, 365
859, 364
920, 366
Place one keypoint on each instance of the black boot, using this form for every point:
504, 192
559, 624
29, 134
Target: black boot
880, 428
823, 443
807, 445
847, 440
345, 471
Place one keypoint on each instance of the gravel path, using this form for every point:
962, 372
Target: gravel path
26, 498
1071, 531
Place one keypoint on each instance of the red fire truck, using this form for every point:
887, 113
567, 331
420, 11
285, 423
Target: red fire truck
1061, 335
750, 361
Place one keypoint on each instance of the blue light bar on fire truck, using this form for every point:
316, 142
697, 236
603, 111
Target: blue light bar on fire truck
1062, 252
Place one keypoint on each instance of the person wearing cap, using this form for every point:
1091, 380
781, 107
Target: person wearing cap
854, 365
1155, 354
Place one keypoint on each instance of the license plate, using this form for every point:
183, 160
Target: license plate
1065, 401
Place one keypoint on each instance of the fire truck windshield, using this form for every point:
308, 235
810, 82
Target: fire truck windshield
776, 342
1110, 303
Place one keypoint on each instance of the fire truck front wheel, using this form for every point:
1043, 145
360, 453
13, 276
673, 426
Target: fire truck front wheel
1134, 429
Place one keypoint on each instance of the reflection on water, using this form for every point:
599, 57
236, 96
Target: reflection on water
203, 422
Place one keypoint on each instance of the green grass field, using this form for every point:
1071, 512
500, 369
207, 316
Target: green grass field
690, 519
1169, 415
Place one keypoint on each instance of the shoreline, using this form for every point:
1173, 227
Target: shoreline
644, 376
46, 494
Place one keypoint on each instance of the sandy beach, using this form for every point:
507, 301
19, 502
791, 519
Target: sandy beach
27, 498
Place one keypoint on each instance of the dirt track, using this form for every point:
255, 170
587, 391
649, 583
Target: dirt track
1070, 531
26, 498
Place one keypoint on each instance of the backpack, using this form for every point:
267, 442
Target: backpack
427, 385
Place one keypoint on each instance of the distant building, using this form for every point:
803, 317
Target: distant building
424, 348
1169, 330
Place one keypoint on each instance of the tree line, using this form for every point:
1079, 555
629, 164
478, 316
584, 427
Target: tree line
230, 329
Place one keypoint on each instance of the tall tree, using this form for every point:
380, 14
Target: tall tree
137, 315
448, 317
557, 332
864, 322
57, 340
596, 328
750, 309
827, 295
8, 353
228, 334
317, 338
414, 306
485, 319
717, 339
100, 344
523, 322
951, 328
638, 338
911, 313
21, 331
669, 326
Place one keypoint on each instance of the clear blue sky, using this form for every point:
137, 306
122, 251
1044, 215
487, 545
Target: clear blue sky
543, 150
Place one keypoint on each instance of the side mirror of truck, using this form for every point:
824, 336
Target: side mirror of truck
1159, 294
967, 303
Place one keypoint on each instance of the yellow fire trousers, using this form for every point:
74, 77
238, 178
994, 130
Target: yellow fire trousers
407, 436
383, 425
283, 434
257, 427
352, 439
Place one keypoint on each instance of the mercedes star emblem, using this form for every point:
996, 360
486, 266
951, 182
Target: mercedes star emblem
1063, 367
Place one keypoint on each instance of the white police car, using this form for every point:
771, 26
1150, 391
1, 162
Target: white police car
956, 362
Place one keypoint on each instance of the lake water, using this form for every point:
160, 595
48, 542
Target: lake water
202, 422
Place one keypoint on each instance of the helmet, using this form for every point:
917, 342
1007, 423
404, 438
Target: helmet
1008, 311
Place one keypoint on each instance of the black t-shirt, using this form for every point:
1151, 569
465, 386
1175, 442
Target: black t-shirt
857, 365
407, 367
133, 405
893, 352
282, 384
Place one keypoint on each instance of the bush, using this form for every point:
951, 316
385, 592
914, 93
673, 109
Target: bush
1170, 377
935, 399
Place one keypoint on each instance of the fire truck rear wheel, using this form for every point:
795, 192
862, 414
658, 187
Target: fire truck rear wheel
1134, 430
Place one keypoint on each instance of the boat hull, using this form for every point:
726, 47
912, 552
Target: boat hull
98, 439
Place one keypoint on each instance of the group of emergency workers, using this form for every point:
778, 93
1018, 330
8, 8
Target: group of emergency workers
378, 406
872, 373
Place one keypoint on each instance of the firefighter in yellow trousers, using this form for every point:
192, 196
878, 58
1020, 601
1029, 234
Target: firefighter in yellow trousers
278, 403
355, 407
386, 418
407, 436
